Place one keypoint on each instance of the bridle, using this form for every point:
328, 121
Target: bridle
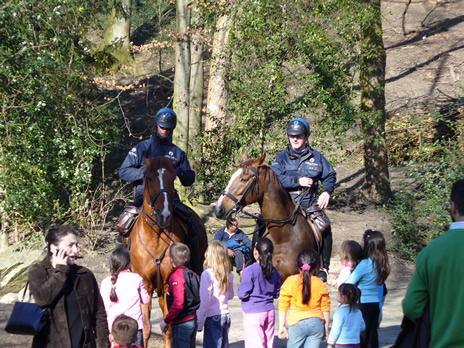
155, 218
238, 202
155, 215
239, 206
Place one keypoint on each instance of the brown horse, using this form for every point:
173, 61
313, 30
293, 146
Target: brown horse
155, 230
288, 229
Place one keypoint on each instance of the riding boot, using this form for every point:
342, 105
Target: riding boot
192, 243
326, 249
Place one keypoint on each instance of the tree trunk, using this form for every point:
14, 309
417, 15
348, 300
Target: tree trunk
3, 213
196, 83
372, 79
182, 80
217, 95
116, 40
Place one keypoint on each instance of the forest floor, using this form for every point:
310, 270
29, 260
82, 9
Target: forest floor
425, 68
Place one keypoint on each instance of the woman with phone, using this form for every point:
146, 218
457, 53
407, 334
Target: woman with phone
71, 292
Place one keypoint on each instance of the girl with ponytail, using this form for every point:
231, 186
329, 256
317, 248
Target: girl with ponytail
123, 292
259, 287
307, 301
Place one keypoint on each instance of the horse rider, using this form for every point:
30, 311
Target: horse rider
160, 144
300, 167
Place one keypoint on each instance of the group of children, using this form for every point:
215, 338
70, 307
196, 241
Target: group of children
202, 304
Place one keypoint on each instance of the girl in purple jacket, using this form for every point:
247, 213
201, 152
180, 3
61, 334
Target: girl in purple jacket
259, 287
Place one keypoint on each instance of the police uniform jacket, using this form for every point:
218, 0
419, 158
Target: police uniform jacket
290, 166
133, 167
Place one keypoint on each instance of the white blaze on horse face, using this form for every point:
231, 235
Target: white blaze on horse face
235, 176
166, 213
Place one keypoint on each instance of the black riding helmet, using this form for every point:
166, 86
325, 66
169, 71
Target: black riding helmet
298, 126
166, 118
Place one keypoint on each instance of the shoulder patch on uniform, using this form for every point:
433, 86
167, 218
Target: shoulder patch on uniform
133, 152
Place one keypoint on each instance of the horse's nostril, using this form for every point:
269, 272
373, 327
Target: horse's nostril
219, 211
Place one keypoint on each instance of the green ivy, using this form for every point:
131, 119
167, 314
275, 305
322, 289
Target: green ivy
53, 128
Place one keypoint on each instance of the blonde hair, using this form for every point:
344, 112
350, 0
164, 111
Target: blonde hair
217, 258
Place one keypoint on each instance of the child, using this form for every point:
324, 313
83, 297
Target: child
348, 322
259, 287
216, 289
124, 291
124, 332
307, 299
350, 255
371, 272
182, 299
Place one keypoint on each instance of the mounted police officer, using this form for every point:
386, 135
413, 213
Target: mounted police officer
300, 169
160, 144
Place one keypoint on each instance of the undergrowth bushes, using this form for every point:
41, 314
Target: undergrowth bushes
433, 158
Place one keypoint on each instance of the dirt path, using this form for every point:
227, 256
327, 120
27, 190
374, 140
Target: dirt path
348, 223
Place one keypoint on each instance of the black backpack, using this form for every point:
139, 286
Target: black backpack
192, 290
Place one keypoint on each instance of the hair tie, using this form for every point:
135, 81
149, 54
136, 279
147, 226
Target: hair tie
305, 267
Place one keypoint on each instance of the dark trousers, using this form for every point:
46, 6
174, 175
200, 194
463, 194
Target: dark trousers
326, 251
327, 248
370, 313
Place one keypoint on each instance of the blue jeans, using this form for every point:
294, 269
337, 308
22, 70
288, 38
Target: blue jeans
239, 260
216, 333
139, 341
306, 333
184, 334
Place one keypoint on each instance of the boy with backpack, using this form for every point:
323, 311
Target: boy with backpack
182, 298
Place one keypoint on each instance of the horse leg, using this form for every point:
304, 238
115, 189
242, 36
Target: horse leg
167, 335
146, 315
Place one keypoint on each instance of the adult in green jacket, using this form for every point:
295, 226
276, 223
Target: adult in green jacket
438, 279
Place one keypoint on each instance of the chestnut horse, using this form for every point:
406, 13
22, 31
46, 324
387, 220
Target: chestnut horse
155, 230
288, 228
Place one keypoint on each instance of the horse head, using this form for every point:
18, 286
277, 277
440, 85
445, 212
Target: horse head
242, 189
158, 190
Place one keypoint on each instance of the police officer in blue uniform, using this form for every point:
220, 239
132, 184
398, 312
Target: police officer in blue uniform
300, 167
160, 144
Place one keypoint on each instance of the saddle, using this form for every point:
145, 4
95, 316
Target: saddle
319, 218
127, 219
319, 223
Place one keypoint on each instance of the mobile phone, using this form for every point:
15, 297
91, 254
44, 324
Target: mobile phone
54, 249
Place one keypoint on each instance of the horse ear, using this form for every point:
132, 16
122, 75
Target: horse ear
261, 159
146, 161
245, 156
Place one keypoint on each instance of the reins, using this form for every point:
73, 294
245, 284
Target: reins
156, 260
239, 207
154, 217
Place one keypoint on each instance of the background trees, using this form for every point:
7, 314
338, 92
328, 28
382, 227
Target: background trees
54, 127
262, 62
